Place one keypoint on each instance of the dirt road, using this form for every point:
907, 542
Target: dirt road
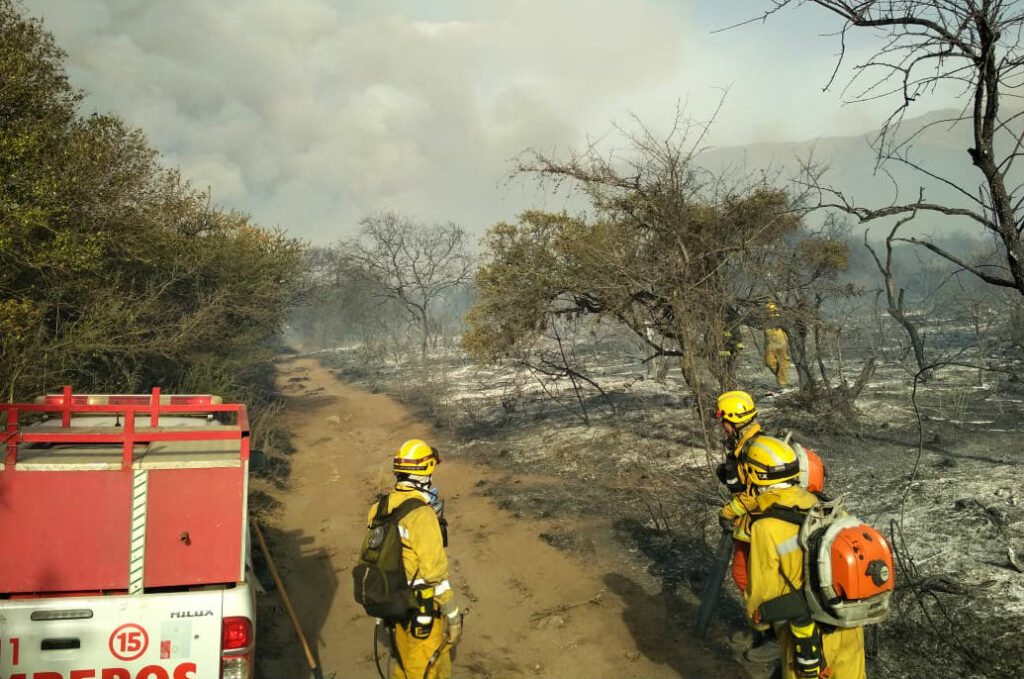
534, 610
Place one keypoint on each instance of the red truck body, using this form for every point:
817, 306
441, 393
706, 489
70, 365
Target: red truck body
137, 499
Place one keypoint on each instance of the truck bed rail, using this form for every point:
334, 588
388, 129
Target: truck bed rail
128, 406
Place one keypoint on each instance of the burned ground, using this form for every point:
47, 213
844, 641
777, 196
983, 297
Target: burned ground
944, 487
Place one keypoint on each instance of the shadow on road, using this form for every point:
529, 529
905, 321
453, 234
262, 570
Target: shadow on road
662, 627
309, 577
663, 624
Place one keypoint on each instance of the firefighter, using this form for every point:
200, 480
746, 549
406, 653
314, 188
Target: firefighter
428, 637
776, 562
776, 347
732, 341
738, 414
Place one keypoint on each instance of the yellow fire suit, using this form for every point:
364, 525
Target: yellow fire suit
426, 564
737, 511
773, 551
776, 353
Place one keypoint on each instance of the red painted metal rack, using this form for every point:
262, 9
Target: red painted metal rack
88, 507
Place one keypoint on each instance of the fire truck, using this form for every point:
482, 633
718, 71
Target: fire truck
124, 539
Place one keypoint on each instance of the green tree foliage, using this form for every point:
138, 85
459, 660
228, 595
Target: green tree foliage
666, 247
115, 274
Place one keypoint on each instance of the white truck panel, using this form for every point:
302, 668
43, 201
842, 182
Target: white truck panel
152, 636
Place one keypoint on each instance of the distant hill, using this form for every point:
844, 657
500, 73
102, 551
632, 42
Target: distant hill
940, 147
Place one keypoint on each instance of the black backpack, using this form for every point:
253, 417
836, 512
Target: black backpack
379, 577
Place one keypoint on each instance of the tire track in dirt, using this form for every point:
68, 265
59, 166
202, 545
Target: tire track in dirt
534, 610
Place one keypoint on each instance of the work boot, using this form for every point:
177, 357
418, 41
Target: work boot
765, 650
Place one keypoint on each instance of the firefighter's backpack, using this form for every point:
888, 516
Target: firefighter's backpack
379, 577
848, 569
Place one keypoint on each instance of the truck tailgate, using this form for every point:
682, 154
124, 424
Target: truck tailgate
150, 636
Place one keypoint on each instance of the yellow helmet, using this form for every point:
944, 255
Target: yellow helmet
416, 457
767, 461
736, 407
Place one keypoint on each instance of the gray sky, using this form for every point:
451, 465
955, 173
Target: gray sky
310, 114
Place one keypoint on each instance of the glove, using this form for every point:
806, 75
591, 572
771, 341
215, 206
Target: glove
808, 653
722, 472
453, 631
729, 476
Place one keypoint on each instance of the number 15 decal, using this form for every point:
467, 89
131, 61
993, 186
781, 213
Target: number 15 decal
128, 642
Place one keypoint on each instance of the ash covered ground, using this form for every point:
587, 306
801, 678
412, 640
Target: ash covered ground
940, 474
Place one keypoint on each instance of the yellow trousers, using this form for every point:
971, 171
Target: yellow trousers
844, 652
415, 654
777, 360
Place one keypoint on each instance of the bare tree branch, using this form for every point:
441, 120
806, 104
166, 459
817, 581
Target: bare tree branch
927, 44
413, 264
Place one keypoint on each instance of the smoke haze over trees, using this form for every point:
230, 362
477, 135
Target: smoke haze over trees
642, 253
116, 274
922, 46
